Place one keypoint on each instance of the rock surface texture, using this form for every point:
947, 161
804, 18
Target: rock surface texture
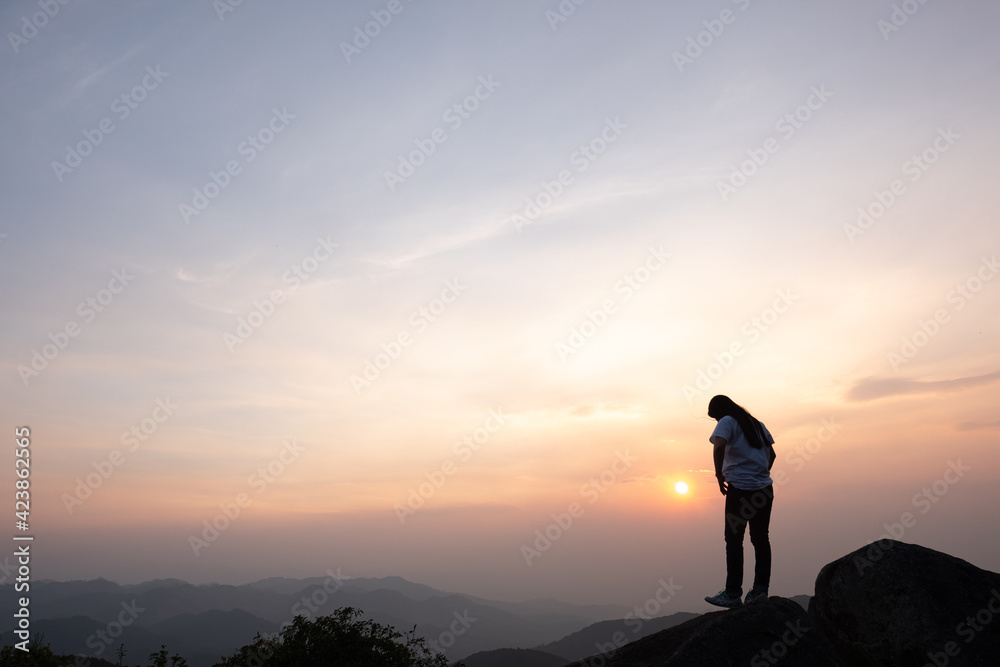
892, 604
778, 632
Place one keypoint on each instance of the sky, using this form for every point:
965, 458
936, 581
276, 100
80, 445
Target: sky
442, 289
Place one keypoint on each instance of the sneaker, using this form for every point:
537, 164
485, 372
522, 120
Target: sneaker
756, 597
724, 599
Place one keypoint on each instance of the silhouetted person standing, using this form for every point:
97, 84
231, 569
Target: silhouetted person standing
743, 458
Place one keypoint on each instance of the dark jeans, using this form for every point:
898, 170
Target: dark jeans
753, 507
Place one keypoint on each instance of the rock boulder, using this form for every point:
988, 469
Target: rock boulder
778, 632
892, 604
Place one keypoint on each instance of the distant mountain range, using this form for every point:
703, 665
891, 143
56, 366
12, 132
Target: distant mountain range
605, 636
205, 622
514, 657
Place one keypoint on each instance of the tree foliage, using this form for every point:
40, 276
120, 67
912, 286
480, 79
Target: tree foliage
341, 639
36, 656
159, 659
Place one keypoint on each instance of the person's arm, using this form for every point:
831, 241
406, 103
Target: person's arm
719, 455
768, 440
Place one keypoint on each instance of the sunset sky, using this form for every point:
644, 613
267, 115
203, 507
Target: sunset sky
408, 300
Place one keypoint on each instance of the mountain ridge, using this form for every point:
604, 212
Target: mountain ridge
204, 621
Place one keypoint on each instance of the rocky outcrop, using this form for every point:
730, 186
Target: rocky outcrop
611, 634
889, 604
776, 632
892, 604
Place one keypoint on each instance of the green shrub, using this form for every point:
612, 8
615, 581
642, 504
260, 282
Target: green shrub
341, 639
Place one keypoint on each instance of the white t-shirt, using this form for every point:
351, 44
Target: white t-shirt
743, 466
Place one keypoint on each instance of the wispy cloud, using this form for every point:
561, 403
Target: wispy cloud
978, 426
610, 411
221, 275
441, 245
640, 479
871, 389
498, 223
82, 86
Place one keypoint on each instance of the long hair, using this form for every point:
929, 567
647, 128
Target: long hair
723, 406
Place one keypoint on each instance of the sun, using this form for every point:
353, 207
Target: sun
681, 488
